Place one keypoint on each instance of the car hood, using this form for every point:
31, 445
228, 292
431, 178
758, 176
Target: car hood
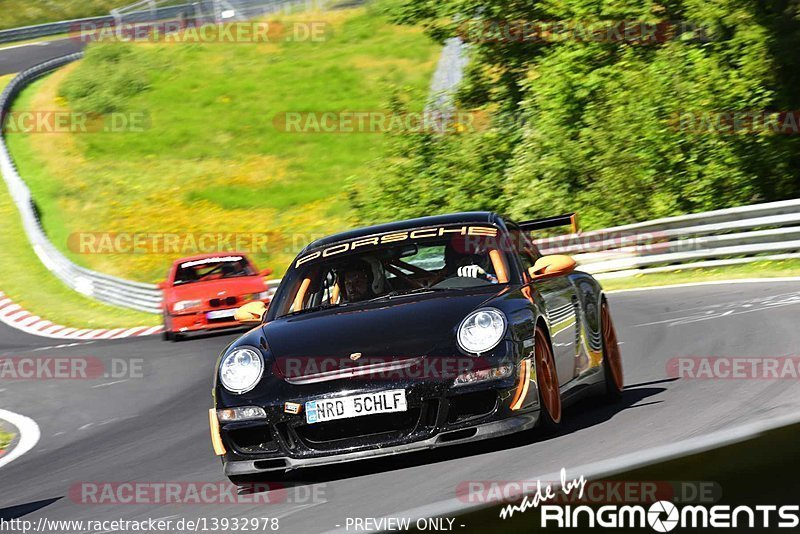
402, 328
213, 288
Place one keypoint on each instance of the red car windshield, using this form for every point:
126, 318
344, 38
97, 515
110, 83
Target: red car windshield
212, 269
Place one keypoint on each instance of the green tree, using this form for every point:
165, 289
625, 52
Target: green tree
603, 126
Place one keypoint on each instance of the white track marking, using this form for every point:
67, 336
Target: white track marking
29, 435
8, 310
109, 384
62, 346
717, 311
16, 317
709, 283
30, 320
37, 43
152, 330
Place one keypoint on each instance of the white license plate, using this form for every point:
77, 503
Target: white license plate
356, 406
220, 314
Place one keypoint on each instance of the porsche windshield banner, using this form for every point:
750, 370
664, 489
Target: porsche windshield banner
418, 234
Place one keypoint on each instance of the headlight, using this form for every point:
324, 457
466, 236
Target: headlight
246, 413
482, 330
241, 370
471, 377
183, 305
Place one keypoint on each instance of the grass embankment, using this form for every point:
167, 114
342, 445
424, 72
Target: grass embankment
761, 269
212, 159
5, 439
16, 13
25, 280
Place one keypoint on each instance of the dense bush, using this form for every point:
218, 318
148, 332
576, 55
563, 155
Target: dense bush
593, 126
109, 76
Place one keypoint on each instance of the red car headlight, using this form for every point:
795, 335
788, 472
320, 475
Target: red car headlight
183, 305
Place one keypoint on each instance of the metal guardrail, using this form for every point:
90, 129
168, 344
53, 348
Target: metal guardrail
721, 237
66, 26
208, 9
99, 286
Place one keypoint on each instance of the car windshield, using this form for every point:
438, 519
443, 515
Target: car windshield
391, 266
212, 269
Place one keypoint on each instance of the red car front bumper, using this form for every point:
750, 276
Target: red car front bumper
198, 321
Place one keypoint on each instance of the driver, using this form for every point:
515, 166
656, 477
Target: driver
466, 264
357, 282
363, 279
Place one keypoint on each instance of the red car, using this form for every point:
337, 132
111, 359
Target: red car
203, 292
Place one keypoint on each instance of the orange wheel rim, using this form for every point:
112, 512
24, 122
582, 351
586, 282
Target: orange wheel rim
547, 378
611, 347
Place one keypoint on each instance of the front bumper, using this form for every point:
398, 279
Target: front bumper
199, 322
437, 415
484, 431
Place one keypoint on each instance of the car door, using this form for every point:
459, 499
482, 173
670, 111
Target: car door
561, 302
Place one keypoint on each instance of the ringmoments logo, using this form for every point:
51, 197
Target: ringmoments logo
660, 516
664, 516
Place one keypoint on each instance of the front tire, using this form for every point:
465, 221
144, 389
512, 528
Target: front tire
612, 359
547, 381
166, 335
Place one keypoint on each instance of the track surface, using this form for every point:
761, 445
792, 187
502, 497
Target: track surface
20, 57
155, 429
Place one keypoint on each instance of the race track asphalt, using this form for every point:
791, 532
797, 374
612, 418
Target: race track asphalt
155, 428
17, 58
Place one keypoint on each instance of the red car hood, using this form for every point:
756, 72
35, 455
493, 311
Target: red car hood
229, 287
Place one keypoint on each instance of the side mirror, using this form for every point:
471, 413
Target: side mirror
163, 285
553, 265
251, 313
265, 272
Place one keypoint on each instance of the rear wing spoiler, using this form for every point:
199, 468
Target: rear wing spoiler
569, 219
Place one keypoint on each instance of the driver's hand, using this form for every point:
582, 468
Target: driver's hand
471, 271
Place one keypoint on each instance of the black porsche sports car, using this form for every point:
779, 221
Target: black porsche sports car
409, 336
